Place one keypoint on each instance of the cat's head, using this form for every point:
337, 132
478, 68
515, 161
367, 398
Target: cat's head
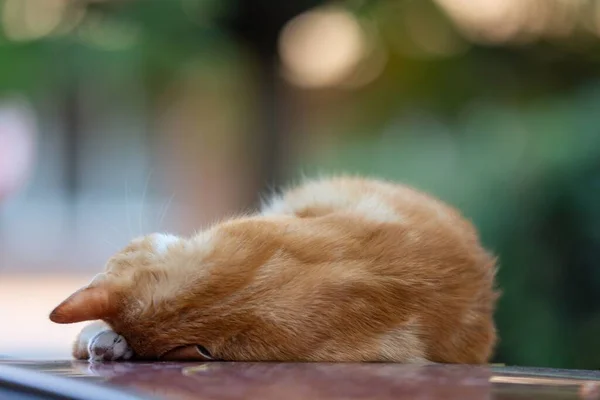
157, 292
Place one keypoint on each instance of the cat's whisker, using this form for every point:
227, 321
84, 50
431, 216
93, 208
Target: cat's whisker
127, 207
114, 230
96, 220
108, 242
144, 191
164, 211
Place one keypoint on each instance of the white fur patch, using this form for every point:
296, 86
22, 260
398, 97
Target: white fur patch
277, 206
161, 242
91, 330
375, 209
109, 346
316, 194
324, 195
181, 270
370, 206
403, 345
203, 242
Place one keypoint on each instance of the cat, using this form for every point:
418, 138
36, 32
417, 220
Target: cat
339, 269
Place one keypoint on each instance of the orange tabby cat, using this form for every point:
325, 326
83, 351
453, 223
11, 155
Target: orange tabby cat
341, 269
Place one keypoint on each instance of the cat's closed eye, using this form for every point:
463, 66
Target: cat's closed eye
188, 353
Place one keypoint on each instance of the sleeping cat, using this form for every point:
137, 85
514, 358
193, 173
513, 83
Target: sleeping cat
340, 269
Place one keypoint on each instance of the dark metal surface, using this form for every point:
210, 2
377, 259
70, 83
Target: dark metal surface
231, 381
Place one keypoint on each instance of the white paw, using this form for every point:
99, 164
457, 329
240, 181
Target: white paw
109, 346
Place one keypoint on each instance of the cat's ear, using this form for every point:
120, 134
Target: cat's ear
87, 304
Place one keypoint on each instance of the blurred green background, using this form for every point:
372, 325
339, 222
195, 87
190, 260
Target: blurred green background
119, 117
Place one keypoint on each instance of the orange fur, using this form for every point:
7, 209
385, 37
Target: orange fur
341, 269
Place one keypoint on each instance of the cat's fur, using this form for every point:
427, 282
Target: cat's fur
340, 269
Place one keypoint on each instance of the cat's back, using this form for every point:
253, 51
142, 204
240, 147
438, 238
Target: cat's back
409, 242
388, 219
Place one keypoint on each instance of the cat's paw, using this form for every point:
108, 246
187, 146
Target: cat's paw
109, 346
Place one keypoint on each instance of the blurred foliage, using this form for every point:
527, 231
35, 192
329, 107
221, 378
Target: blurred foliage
154, 37
506, 132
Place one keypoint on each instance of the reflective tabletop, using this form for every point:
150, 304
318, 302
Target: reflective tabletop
230, 380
